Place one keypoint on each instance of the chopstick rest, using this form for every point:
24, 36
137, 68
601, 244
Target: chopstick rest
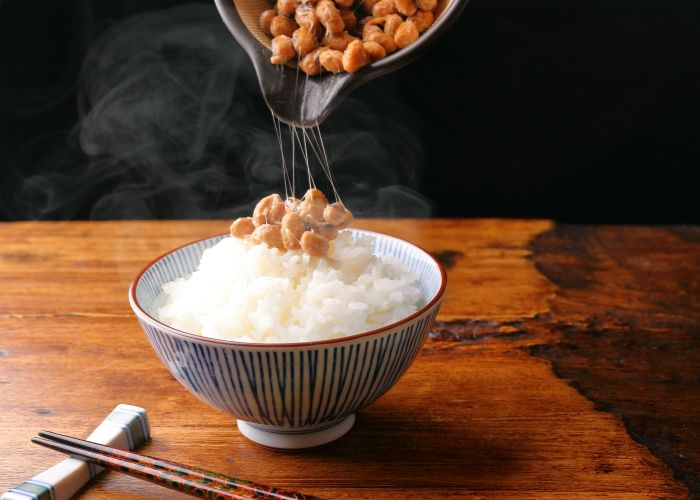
126, 427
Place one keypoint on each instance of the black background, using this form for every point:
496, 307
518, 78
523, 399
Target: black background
586, 112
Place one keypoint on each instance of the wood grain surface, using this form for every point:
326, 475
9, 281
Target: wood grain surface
564, 364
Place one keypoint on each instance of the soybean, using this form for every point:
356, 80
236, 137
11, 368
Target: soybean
282, 49
338, 41
406, 34
310, 63
281, 25
338, 215
384, 40
303, 41
423, 19
305, 16
263, 212
427, 5
383, 8
374, 51
266, 20
331, 60
243, 226
269, 234
329, 16
354, 57
371, 27
292, 229
314, 244
291, 204
406, 7
312, 206
286, 7
391, 23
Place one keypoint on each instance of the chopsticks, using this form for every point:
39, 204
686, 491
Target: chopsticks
185, 479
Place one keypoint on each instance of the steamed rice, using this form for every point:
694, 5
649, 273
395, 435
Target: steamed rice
254, 293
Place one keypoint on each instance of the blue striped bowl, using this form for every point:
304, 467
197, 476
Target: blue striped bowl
289, 395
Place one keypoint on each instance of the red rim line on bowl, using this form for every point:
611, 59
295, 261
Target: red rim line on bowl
143, 315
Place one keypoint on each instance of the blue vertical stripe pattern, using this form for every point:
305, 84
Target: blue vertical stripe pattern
290, 387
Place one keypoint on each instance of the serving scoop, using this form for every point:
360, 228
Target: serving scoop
305, 101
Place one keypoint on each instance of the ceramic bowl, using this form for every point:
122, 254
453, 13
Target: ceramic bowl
294, 395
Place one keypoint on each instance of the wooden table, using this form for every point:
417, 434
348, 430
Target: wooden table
565, 364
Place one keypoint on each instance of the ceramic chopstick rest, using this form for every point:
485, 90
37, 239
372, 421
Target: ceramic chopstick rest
126, 427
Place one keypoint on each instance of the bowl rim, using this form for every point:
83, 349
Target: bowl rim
144, 316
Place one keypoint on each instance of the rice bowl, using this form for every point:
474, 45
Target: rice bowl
289, 395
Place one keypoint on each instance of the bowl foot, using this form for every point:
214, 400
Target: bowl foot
296, 440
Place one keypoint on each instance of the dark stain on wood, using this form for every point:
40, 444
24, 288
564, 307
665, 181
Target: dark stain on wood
626, 316
623, 329
469, 331
3, 353
43, 411
448, 258
604, 468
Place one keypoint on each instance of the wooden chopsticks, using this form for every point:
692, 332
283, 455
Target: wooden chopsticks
185, 479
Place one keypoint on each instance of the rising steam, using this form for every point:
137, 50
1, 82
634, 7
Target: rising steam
173, 126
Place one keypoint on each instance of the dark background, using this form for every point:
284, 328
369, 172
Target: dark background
584, 113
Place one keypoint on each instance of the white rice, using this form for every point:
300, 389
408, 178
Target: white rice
253, 293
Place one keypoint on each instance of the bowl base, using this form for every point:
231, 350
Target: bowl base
296, 440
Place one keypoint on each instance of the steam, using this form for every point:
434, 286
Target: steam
173, 126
